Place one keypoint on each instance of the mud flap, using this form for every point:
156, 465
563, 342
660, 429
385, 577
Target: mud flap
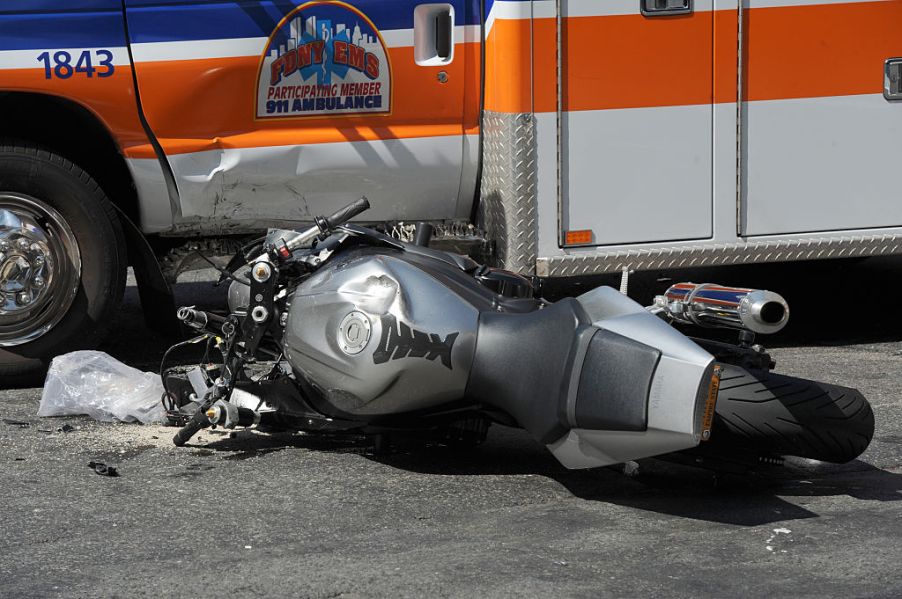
157, 300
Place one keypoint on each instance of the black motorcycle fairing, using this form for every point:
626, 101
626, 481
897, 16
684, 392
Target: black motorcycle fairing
464, 263
504, 282
553, 371
484, 298
524, 362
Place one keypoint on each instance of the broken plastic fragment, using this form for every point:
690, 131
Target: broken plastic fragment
102, 469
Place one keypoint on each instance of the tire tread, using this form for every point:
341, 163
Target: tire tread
791, 416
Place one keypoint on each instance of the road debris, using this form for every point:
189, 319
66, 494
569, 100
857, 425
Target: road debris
19, 423
102, 469
98, 385
777, 533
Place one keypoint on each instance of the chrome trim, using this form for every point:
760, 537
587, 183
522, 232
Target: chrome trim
739, 60
508, 208
40, 268
715, 306
717, 254
559, 116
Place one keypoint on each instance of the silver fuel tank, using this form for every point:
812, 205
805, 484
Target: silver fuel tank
378, 335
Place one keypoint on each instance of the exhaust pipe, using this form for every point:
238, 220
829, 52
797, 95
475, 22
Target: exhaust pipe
714, 306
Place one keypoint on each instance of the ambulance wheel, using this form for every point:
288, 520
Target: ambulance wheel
62, 260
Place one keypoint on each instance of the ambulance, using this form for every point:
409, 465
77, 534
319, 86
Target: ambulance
565, 137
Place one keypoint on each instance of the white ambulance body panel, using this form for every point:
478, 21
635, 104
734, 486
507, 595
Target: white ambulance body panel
779, 144
824, 164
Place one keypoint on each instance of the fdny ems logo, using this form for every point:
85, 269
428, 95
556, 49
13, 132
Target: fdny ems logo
324, 58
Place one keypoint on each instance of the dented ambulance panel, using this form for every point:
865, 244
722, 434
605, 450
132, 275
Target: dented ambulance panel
273, 112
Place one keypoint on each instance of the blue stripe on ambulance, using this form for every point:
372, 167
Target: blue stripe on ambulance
156, 21
56, 6
85, 27
490, 3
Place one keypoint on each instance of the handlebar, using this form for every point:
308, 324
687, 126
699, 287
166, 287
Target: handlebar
324, 226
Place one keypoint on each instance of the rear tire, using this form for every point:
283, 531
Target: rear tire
69, 204
769, 413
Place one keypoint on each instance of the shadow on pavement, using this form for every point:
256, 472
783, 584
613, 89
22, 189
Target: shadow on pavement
666, 488
659, 486
836, 302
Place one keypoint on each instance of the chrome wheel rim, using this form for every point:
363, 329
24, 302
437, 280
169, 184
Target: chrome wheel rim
40, 268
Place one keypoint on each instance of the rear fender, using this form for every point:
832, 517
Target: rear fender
638, 389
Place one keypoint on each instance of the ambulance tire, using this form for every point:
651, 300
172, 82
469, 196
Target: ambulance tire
51, 190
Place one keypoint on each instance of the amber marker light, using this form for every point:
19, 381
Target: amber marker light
579, 237
711, 402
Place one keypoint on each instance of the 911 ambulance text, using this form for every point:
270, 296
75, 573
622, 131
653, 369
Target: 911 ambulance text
299, 105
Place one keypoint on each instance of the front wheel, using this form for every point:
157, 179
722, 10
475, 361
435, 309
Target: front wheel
767, 413
62, 259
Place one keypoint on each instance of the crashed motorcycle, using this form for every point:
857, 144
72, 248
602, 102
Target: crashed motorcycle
340, 328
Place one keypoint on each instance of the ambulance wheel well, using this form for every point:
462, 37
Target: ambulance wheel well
72, 131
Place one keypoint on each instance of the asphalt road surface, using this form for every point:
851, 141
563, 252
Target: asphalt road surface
295, 516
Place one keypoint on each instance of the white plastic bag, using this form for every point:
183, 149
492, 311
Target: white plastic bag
96, 384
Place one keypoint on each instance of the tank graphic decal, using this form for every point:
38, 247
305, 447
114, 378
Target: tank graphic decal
400, 341
324, 58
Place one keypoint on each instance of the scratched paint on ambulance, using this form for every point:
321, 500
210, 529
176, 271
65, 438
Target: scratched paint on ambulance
324, 58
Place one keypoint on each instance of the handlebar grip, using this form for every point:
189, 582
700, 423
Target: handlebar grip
347, 213
197, 423
322, 228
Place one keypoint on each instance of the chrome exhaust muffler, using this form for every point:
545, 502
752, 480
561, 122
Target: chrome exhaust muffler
715, 306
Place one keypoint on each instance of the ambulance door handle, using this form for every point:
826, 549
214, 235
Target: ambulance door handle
444, 30
433, 34
664, 8
892, 79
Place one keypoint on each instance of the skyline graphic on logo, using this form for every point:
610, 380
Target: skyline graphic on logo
306, 30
